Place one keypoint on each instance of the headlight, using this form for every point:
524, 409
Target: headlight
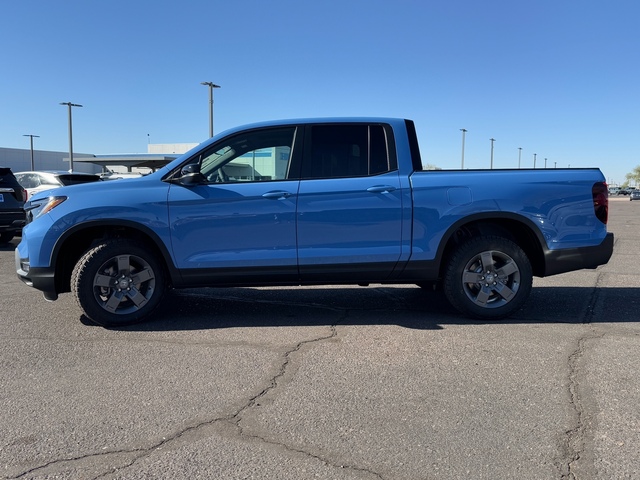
36, 208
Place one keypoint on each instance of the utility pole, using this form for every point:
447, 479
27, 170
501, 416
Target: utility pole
31, 138
69, 104
519, 156
492, 140
463, 130
211, 87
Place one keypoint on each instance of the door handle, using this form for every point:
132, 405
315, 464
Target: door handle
381, 189
276, 195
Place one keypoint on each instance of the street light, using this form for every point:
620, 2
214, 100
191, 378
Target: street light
534, 160
463, 130
211, 87
31, 138
69, 104
492, 140
519, 156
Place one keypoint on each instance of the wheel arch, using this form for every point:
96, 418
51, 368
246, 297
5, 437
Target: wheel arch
516, 228
78, 239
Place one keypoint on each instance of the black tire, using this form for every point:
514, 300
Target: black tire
118, 282
488, 278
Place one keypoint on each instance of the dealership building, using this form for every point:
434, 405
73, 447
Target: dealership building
19, 160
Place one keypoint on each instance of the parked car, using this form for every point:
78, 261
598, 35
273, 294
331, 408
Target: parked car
634, 195
34, 182
12, 198
119, 176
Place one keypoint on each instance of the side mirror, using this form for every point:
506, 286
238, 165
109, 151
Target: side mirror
190, 175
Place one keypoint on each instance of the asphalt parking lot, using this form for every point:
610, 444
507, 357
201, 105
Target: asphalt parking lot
384, 382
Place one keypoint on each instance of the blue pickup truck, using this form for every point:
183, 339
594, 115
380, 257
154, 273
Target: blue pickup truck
313, 202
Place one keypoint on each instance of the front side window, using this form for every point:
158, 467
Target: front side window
254, 156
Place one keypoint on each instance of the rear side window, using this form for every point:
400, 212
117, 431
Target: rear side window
335, 151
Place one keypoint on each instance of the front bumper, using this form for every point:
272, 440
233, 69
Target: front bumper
12, 221
42, 279
569, 259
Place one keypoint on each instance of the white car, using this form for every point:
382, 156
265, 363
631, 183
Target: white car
34, 182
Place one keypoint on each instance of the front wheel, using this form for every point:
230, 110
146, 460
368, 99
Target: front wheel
488, 277
118, 282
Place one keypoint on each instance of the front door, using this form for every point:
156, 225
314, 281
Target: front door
239, 224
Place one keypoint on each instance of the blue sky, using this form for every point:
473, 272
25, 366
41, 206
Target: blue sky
558, 78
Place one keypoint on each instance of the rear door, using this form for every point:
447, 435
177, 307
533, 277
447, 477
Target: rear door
349, 204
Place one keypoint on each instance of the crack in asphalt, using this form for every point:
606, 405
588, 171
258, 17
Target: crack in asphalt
142, 452
273, 384
574, 442
132, 456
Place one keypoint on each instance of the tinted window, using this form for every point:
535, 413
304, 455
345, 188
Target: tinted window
346, 151
72, 179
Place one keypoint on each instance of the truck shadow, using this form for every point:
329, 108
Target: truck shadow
405, 306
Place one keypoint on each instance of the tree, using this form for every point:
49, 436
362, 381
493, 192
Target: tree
634, 175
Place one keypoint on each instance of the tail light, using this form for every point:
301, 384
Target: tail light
600, 194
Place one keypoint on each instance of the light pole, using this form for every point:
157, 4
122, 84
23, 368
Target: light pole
211, 87
463, 130
31, 138
545, 162
69, 104
492, 140
519, 156
534, 160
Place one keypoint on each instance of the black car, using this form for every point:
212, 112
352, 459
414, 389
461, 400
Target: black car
12, 198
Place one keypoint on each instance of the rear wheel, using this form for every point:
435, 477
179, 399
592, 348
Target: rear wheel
488, 277
118, 282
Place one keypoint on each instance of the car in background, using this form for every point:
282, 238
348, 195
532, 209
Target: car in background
12, 198
34, 182
119, 176
634, 195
